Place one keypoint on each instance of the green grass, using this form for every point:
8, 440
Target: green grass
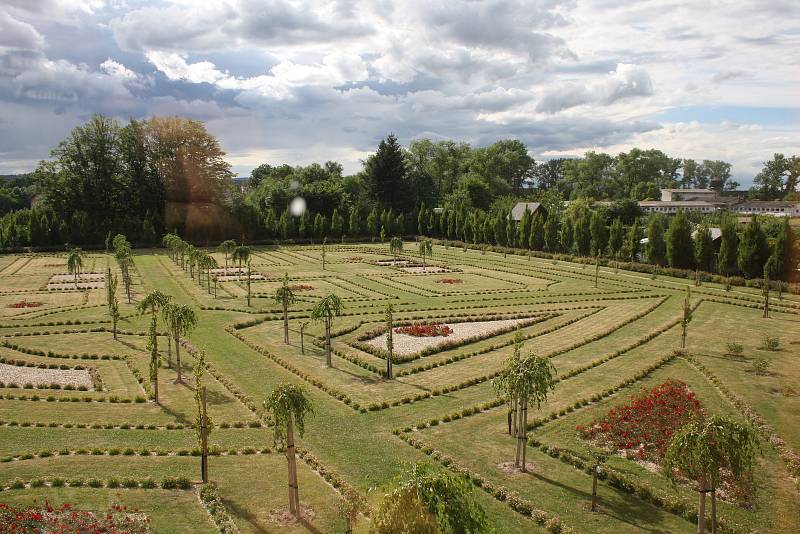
612, 324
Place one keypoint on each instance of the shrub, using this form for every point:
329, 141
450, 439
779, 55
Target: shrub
760, 366
771, 343
734, 348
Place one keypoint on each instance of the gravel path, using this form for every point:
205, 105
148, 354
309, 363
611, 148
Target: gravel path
33, 375
405, 344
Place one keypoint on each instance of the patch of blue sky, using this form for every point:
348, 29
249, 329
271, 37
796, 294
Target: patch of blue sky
736, 114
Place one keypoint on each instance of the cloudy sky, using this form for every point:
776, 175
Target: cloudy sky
298, 81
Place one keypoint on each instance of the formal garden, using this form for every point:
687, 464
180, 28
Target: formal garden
307, 388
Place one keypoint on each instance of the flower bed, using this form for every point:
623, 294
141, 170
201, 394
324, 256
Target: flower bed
301, 287
425, 330
450, 281
644, 426
67, 519
355, 258
25, 304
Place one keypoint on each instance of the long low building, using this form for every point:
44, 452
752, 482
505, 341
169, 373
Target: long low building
710, 201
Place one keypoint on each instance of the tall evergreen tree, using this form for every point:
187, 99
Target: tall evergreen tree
781, 251
704, 249
582, 234
536, 240
753, 250
656, 247
566, 234
615, 237
354, 223
385, 174
729, 244
524, 232
551, 233
680, 249
373, 224
599, 234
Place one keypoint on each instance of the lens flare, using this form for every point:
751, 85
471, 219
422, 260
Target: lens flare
298, 206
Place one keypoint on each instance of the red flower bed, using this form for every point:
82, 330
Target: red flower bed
645, 425
25, 304
450, 281
65, 519
301, 287
425, 330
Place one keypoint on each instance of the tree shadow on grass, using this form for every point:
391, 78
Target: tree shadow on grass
252, 519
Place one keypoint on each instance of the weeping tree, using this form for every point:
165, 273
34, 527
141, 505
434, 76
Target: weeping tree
75, 264
210, 263
289, 407
227, 247
111, 300
389, 340
202, 421
426, 251
705, 448
527, 380
326, 309
425, 499
285, 297
395, 246
687, 316
181, 319
152, 303
241, 254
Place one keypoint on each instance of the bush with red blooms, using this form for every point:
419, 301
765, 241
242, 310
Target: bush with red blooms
25, 304
301, 287
644, 426
425, 330
66, 519
451, 281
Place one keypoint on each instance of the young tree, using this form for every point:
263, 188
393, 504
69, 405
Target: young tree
337, 222
324, 251
753, 249
326, 309
430, 500
599, 233
250, 280
350, 506
687, 316
680, 249
396, 246
202, 422
656, 247
372, 224
527, 380
704, 249
111, 300
75, 263
615, 236
180, 319
241, 254
703, 449
285, 297
425, 250
598, 459
227, 246
289, 407
152, 303
765, 286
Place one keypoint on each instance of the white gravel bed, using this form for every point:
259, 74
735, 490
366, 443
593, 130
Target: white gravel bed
394, 263
425, 270
33, 375
405, 345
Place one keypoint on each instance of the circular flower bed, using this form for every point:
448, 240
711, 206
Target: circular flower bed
644, 426
450, 281
425, 330
25, 304
301, 287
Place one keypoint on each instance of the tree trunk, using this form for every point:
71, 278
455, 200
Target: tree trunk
226, 262
248, 284
286, 322
518, 424
208, 280
294, 496
713, 510
114, 327
594, 488
169, 352
178, 355
203, 438
155, 387
524, 432
328, 342
701, 511
683, 336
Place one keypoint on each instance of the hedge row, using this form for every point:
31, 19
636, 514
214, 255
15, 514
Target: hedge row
212, 502
97, 329
213, 451
123, 426
50, 354
128, 483
50, 398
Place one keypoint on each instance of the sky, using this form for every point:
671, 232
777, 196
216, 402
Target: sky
296, 81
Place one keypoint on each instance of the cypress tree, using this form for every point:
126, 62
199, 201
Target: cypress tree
536, 240
551, 233
656, 247
373, 226
499, 229
632, 241
566, 234
422, 220
615, 237
337, 222
399, 226
582, 234
511, 229
354, 223
432, 224
726, 262
680, 249
781, 251
753, 250
524, 228
704, 249
599, 234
